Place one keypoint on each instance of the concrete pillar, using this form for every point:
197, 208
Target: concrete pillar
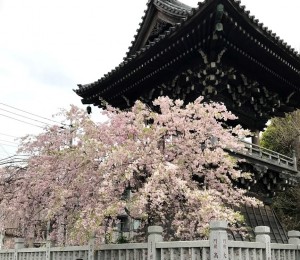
295, 160
19, 243
255, 137
218, 240
91, 253
154, 236
49, 244
294, 237
262, 236
2, 235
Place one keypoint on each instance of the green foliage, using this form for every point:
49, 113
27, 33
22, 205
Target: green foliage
287, 208
271, 140
122, 240
282, 134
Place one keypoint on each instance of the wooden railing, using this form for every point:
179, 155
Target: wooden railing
218, 247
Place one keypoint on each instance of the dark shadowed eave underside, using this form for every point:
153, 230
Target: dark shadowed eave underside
218, 38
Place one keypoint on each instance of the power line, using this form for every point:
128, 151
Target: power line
33, 114
18, 156
16, 114
9, 135
8, 145
9, 157
4, 150
12, 162
13, 159
1, 140
21, 121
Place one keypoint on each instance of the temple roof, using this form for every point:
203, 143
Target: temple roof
158, 12
264, 216
217, 50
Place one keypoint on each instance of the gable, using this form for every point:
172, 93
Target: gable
159, 17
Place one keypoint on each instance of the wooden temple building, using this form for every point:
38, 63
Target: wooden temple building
219, 51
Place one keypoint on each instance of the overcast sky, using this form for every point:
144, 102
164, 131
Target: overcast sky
47, 47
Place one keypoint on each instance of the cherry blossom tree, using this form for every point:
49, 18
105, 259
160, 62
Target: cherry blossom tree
173, 161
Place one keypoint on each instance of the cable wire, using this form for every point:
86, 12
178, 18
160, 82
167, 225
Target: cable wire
13, 162
32, 114
21, 121
4, 150
10, 142
13, 159
7, 158
16, 114
9, 135
8, 145
15, 156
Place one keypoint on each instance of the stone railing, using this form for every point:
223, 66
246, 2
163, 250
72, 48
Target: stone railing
269, 156
217, 247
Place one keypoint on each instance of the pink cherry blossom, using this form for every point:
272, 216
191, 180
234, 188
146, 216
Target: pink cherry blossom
173, 161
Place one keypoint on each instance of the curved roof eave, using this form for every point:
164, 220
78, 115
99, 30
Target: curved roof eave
264, 31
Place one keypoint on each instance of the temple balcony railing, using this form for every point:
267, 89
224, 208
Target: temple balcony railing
257, 154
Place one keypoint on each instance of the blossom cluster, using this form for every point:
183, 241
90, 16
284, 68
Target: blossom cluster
172, 159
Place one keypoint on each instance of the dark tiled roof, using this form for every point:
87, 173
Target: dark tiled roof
188, 13
247, 26
265, 216
260, 216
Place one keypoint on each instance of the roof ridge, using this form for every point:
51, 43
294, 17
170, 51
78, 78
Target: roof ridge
140, 27
175, 4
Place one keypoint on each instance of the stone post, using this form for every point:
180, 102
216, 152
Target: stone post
255, 137
218, 240
1, 240
49, 244
91, 253
294, 237
295, 159
19, 244
154, 236
262, 236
